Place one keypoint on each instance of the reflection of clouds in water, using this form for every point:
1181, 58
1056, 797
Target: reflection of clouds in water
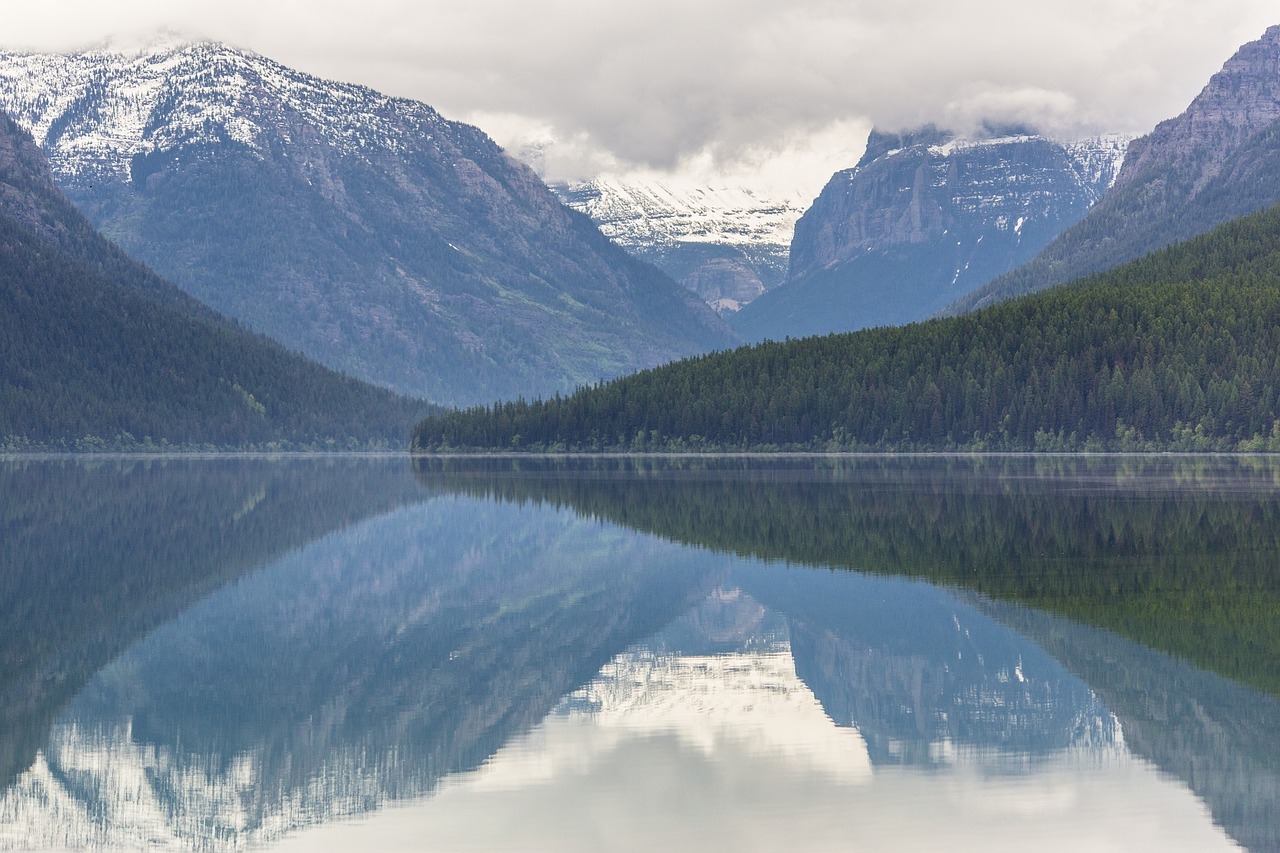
100, 789
734, 752
748, 704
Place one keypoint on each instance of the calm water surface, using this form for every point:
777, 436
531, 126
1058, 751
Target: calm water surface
807, 654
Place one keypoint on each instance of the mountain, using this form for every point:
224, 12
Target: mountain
1217, 161
365, 231
1175, 351
728, 244
96, 349
925, 217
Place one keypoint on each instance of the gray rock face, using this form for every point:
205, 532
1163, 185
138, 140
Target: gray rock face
1238, 101
1218, 160
365, 231
924, 218
932, 185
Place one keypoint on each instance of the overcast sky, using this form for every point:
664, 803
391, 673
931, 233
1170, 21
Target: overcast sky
781, 90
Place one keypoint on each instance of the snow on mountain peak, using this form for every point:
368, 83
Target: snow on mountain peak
94, 111
639, 211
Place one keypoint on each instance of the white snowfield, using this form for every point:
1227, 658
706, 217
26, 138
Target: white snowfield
636, 211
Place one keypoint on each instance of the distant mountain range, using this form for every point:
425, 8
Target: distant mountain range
728, 244
383, 240
96, 351
1218, 160
925, 217
367, 232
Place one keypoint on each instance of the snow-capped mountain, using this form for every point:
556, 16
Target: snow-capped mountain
95, 112
727, 243
366, 231
925, 217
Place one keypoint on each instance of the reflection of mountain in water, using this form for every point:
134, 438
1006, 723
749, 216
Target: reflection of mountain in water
358, 670
1178, 554
1221, 737
94, 553
722, 672
366, 667
1175, 553
375, 662
922, 675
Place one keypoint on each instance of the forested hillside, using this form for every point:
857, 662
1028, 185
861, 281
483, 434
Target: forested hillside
1179, 350
98, 352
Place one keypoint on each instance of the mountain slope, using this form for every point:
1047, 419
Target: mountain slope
366, 231
727, 244
1175, 351
94, 345
924, 217
1219, 160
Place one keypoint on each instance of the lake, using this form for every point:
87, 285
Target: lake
690, 653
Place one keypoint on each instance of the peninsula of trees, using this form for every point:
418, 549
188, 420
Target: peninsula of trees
1179, 350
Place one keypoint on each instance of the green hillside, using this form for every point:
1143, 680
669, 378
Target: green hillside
97, 352
1178, 350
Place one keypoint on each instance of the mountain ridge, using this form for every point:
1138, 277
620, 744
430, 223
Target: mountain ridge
366, 231
96, 351
1175, 351
725, 242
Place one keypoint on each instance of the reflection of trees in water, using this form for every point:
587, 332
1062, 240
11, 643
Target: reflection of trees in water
415, 652
1177, 553
1220, 737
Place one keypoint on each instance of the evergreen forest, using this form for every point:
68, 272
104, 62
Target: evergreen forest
88, 363
1179, 350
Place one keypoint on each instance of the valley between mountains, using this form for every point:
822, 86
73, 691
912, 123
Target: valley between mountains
289, 226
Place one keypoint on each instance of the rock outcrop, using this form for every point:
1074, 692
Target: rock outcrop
923, 218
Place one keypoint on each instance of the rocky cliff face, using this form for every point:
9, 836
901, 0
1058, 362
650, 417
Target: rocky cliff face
1218, 160
1238, 101
930, 184
924, 218
727, 244
366, 231
27, 191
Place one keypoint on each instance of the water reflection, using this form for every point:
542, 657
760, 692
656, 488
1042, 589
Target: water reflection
1178, 553
360, 669
94, 554
515, 672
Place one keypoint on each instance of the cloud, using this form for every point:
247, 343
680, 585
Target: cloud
661, 83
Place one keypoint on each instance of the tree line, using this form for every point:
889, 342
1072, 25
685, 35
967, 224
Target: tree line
1179, 350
